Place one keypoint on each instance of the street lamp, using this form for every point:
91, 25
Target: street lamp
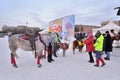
26, 24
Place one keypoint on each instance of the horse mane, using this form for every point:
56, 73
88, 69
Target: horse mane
40, 38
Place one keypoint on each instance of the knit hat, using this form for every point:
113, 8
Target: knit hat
90, 33
107, 32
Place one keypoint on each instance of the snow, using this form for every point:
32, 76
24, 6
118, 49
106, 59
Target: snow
70, 67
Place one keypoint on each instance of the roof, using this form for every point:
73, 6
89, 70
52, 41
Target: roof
108, 27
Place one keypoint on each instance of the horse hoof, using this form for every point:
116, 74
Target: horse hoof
39, 65
14, 65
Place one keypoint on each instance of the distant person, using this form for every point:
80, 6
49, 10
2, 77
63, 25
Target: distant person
107, 45
89, 46
99, 48
112, 34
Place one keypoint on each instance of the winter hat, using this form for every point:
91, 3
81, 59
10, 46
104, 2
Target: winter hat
90, 33
107, 32
97, 34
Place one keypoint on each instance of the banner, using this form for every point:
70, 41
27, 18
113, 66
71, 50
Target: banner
71, 32
68, 23
65, 26
55, 26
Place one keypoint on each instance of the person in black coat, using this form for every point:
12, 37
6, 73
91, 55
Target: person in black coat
107, 45
49, 57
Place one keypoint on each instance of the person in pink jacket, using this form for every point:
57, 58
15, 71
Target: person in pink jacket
90, 46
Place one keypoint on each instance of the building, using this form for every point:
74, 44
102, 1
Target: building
84, 28
87, 28
81, 30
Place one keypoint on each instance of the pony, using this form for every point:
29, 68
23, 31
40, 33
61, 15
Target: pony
77, 44
64, 46
115, 36
15, 42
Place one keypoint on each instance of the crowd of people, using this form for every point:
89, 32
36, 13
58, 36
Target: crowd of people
99, 44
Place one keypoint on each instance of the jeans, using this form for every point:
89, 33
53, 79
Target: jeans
98, 54
107, 55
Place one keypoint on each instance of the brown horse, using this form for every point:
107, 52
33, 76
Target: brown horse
116, 37
62, 45
77, 44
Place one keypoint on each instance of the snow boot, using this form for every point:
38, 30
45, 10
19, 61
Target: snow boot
97, 63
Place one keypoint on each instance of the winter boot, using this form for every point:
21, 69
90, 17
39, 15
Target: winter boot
49, 60
97, 63
106, 58
103, 63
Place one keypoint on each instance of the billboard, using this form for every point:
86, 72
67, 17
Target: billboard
68, 23
55, 26
63, 25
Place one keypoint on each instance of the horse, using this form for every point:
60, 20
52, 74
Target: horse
64, 46
116, 37
16, 42
77, 44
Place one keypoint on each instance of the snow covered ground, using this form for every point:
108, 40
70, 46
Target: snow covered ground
71, 67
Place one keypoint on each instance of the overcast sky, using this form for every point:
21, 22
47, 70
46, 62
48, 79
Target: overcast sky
41, 12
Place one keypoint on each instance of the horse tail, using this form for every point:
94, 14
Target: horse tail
15, 55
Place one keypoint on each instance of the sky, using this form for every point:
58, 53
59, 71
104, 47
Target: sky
39, 13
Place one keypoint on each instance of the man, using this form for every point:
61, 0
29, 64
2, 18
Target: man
112, 34
49, 57
107, 45
98, 49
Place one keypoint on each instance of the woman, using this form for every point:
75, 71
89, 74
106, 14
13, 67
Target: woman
90, 46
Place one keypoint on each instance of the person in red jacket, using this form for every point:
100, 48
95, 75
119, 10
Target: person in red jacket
89, 46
